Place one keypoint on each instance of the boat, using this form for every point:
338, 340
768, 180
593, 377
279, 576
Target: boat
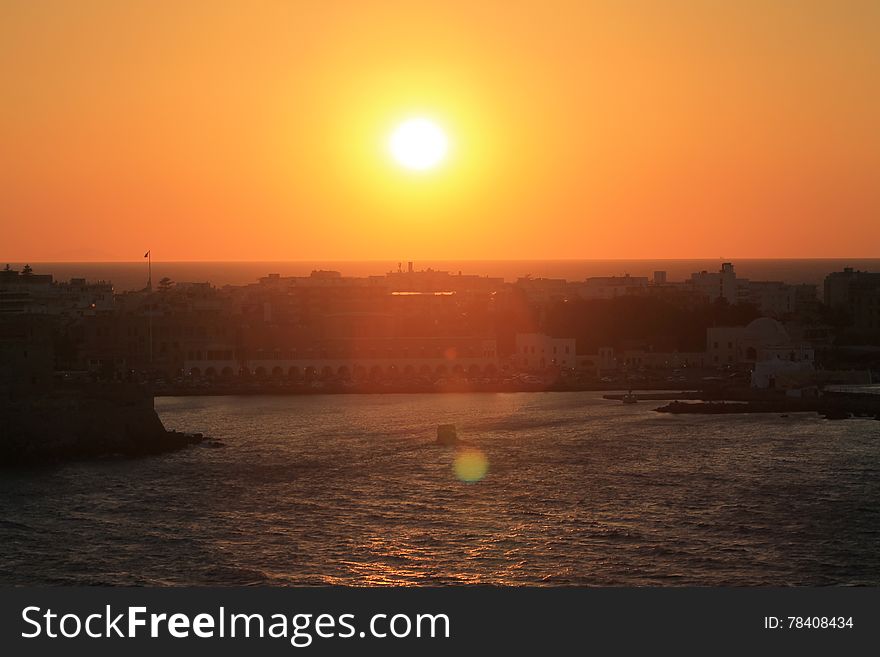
446, 434
630, 398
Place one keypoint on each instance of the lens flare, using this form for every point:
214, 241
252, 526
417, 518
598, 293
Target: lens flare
470, 465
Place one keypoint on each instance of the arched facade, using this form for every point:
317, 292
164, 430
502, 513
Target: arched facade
361, 360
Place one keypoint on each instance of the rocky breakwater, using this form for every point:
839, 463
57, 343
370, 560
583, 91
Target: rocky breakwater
87, 421
836, 407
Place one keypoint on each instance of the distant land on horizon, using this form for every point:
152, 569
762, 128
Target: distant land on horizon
132, 275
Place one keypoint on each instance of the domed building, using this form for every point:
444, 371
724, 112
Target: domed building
764, 347
766, 331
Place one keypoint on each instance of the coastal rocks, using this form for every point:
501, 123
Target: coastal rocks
78, 424
722, 408
837, 408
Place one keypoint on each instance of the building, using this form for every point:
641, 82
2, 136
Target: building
856, 293
840, 286
722, 284
678, 294
611, 287
773, 298
26, 354
159, 331
777, 299
536, 351
432, 280
806, 299
646, 359
28, 293
605, 360
784, 369
360, 359
764, 339
543, 291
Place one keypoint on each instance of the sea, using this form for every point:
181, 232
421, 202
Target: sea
545, 489
134, 275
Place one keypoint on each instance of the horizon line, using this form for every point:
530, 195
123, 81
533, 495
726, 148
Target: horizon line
441, 260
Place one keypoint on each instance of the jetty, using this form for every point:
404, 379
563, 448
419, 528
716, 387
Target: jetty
830, 407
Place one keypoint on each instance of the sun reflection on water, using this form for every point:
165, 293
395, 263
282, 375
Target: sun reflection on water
470, 465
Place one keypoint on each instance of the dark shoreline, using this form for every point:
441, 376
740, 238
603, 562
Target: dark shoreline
88, 422
268, 388
831, 407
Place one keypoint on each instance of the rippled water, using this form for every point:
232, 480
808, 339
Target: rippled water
350, 489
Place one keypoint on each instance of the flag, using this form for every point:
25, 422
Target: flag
147, 254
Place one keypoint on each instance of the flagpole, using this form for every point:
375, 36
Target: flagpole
149, 305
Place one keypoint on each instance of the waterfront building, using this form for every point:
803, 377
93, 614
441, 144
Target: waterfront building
782, 371
606, 361
360, 359
537, 351
158, 331
409, 323
762, 339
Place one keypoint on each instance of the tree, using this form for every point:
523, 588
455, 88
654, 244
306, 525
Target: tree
165, 284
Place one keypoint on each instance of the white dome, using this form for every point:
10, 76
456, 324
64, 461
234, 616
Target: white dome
766, 331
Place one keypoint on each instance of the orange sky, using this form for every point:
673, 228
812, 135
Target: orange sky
255, 130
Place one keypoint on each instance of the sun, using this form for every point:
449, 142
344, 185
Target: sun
418, 144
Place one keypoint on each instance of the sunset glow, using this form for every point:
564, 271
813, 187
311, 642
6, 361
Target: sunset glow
555, 302
237, 132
